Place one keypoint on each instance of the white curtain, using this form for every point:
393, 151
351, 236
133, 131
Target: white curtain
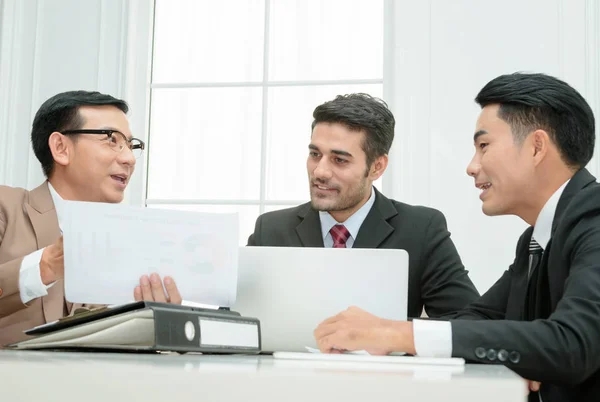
49, 47
441, 54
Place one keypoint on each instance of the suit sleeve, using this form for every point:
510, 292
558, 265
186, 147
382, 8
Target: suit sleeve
255, 238
10, 299
492, 304
446, 286
563, 348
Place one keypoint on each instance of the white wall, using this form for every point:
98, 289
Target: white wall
441, 53
50, 46
444, 52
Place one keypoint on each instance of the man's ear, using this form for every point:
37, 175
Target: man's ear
540, 142
61, 148
378, 167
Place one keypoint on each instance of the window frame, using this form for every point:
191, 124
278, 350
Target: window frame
262, 202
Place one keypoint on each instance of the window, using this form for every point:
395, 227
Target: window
234, 84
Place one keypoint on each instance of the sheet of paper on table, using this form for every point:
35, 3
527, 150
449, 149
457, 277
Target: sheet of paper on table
365, 357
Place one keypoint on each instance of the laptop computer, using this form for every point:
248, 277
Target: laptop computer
293, 289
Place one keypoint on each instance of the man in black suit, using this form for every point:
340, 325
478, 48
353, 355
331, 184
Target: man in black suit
534, 136
350, 141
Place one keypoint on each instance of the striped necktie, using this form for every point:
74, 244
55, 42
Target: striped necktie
339, 234
535, 256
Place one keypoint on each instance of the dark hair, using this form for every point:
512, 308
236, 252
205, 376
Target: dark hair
361, 112
60, 113
537, 101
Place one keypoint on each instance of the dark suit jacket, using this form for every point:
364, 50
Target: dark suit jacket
561, 346
437, 278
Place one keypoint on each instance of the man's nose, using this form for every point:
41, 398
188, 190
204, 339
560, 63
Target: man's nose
126, 157
473, 167
322, 170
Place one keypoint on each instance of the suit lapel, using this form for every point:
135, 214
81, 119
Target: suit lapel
544, 297
309, 230
42, 214
516, 309
375, 229
538, 302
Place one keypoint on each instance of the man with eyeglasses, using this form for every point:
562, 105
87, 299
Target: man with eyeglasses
84, 144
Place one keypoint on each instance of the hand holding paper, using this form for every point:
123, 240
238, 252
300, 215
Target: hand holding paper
151, 289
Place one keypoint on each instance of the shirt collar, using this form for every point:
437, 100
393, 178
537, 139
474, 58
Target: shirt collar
58, 204
542, 231
353, 223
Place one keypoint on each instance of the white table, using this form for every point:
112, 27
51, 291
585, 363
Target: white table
108, 377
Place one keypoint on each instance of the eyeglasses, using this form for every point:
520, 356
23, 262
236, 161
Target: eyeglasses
117, 140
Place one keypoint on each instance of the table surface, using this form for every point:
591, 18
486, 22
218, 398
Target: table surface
76, 376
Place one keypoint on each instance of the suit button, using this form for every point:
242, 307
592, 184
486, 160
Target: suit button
480, 352
502, 355
491, 354
514, 357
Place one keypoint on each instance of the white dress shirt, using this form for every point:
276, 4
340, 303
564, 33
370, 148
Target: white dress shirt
30, 278
353, 223
434, 338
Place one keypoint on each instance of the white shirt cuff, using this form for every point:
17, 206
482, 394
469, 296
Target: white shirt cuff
432, 338
30, 279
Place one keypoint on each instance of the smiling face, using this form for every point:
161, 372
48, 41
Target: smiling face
339, 178
87, 166
503, 169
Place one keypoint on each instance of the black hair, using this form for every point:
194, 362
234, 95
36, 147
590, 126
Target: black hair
529, 102
60, 113
361, 112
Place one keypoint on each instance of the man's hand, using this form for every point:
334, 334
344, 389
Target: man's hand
355, 329
52, 264
533, 386
151, 289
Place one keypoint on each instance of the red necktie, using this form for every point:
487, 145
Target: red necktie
340, 234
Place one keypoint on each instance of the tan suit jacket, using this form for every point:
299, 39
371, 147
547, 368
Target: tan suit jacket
28, 222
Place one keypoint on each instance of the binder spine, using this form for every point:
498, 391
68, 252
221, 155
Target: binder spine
183, 332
